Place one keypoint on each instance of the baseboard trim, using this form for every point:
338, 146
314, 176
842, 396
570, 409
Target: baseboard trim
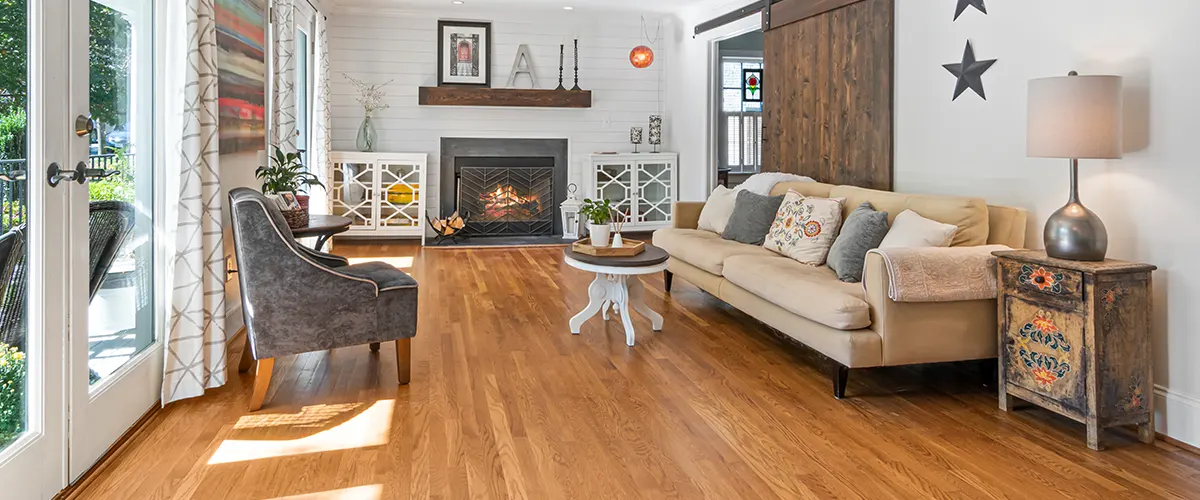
1177, 416
72, 490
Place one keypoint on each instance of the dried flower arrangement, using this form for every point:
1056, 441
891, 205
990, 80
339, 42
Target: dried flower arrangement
370, 96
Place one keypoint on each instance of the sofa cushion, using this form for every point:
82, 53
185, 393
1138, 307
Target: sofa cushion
969, 214
751, 218
715, 214
863, 230
812, 292
805, 227
703, 249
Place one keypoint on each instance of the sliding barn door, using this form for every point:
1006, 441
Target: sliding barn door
828, 91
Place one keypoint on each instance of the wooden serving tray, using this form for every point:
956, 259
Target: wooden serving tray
629, 248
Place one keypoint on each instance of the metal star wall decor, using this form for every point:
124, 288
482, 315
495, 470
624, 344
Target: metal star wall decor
963, 4
969, 73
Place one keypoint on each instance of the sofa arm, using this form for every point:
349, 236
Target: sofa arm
687, 214
927, 332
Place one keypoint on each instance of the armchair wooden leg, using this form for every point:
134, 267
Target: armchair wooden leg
667, 275
403, 360
262, 380
374, 346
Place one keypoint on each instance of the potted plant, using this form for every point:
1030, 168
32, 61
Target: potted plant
285, 175
598, 214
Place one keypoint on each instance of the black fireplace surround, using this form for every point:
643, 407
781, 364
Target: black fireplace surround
506, 187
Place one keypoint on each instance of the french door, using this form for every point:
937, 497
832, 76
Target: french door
80, 290
116, 359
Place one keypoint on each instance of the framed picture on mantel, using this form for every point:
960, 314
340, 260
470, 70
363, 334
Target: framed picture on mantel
464, 53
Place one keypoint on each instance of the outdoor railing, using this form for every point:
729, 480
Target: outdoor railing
14, 193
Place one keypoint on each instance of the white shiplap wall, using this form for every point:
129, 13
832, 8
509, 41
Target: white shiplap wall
377, 46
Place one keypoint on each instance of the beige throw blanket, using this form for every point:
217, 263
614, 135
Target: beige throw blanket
940, 274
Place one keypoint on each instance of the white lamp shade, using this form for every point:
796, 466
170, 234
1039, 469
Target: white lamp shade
1075, 117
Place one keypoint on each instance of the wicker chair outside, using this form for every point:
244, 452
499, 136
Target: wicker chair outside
109, 225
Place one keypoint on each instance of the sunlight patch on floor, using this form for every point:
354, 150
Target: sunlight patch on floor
397, 262
309, 416
368, 492
369, 428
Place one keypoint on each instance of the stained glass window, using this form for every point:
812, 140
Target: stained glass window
752, 84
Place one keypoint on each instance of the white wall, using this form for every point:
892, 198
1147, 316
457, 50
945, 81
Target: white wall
691, 88
977, 147
379, 45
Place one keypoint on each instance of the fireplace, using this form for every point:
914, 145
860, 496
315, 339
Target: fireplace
505, 187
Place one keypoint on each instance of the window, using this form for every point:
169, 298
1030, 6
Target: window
740, 122
303, 111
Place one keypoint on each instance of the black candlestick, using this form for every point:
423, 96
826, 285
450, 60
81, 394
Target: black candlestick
576, 87
561, 49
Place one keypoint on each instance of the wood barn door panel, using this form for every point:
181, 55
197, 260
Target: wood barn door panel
828, 96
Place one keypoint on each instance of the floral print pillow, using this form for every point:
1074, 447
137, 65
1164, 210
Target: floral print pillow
805, 228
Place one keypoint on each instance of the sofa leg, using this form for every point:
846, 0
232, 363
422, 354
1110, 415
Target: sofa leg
403, 360
262, 380
667, 275
840, 375
374, 346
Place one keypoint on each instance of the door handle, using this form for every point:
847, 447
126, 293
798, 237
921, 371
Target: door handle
55, 174
84, 125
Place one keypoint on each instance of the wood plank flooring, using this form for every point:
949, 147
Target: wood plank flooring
505, 403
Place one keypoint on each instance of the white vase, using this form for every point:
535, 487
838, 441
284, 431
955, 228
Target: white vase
617, 241
599, 233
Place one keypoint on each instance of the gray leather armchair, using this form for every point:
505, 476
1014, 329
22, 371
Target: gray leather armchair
297, 300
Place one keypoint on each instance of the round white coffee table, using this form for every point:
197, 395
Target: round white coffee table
617, 286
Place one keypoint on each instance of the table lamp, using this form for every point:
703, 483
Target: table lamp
1075, 117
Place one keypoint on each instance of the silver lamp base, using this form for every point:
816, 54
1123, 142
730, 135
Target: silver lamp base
1074, 232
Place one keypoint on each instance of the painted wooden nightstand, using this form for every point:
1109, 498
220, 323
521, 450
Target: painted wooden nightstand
1075, 339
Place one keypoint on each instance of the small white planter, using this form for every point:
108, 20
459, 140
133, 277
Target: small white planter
599, 233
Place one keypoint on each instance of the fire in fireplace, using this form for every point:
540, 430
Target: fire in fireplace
507, 200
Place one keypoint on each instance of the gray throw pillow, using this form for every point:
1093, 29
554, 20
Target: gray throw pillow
863, 230
751, 218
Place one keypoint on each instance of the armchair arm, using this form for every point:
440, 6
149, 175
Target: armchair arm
324, 258
927, 332
687, 214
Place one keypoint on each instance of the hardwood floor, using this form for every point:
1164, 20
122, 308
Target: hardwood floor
505, 403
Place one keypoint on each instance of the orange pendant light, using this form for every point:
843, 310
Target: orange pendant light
641, 57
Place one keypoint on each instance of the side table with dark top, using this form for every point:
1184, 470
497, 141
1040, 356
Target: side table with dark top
1075, 340
617, 286
322, 227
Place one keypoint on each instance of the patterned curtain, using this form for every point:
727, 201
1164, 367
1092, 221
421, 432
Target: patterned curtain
322, 122
196, 353
283, 64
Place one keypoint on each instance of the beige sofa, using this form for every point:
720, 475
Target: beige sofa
855, 325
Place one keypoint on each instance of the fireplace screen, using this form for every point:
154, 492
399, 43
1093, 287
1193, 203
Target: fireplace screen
507, 200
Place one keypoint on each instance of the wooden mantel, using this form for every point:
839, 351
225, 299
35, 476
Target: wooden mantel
483, 96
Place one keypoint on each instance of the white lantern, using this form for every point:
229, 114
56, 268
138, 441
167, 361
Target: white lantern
570, 214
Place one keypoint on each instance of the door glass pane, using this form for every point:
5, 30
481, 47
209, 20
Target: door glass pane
302, 94
121, 194
351, 192
615, 183
399, 205
654, 199
14, 217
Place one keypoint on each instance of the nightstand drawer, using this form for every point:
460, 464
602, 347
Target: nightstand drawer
1044, 352
1040, 283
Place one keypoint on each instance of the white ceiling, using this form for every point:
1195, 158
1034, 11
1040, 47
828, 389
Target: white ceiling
584, 5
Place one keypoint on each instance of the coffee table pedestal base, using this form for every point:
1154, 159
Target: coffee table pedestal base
622, 292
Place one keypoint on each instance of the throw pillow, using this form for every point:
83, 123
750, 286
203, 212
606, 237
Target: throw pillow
805, 228
751, 218
863, 230
911, 230
715, 214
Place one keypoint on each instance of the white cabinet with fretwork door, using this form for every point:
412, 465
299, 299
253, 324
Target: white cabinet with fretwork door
642, 185
381, 193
